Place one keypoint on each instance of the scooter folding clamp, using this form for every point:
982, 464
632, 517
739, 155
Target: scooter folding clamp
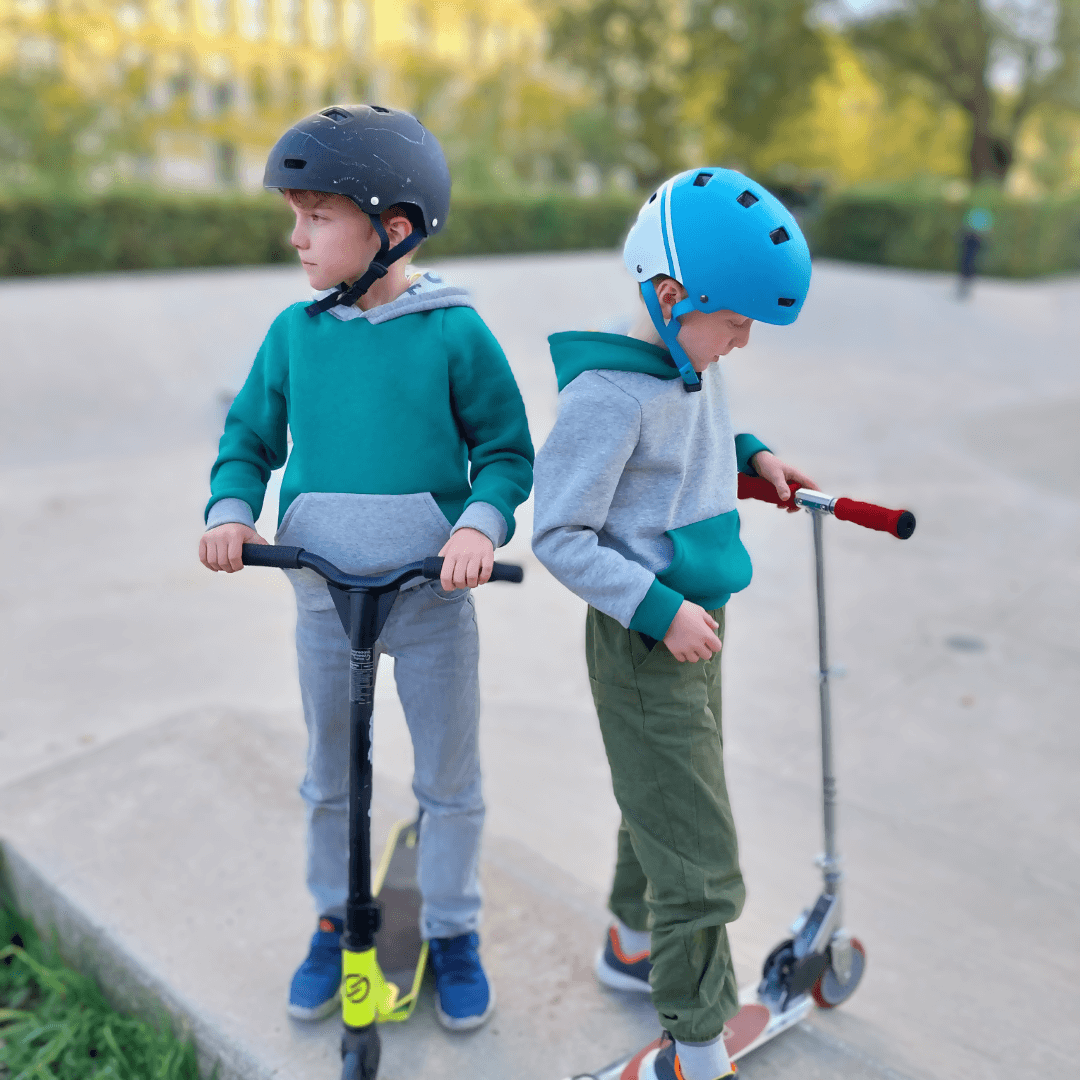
815, 500
363, 921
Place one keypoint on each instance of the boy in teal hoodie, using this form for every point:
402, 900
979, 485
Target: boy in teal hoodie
409, 437
636, 513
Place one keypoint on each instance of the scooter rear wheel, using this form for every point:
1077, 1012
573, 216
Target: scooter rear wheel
829, 991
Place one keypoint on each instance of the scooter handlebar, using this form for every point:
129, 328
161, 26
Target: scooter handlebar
900, 523
287, 558
499, 572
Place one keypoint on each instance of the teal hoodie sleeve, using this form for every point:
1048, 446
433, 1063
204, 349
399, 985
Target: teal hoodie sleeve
255, 440
490, 414
746, 446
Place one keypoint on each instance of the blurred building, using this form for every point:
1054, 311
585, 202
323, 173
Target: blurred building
210, 84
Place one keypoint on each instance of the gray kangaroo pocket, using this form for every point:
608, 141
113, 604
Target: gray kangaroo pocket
360, 534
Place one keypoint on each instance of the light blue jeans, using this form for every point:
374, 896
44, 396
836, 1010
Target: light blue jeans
432, 636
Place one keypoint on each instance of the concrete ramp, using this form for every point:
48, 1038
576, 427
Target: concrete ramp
169, 862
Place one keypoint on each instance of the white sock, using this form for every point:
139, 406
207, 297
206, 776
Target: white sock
633, 942
703, 1061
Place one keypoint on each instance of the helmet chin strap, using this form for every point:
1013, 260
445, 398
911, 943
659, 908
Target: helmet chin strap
669, 334
345, 294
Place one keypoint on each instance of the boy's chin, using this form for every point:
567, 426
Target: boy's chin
318, 280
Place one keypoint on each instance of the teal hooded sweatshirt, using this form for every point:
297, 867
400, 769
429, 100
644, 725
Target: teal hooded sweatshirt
405, 421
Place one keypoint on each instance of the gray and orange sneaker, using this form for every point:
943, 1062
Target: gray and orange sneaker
665, 1064
622, 971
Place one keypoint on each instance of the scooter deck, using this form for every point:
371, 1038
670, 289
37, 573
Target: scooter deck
753, 1026
401, 951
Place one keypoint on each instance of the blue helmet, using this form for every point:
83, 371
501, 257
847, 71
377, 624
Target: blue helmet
731, 245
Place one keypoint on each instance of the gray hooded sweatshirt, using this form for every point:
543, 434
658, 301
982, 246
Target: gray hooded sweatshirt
636, 484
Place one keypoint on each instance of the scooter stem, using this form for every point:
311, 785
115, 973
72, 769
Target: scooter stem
362, 913
830, 860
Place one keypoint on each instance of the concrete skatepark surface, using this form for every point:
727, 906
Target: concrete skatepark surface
151, 738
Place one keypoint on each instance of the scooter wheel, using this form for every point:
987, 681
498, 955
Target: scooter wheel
829, 991
360, 1053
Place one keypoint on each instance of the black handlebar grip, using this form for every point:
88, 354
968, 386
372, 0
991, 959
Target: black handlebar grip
287, 558
499, 572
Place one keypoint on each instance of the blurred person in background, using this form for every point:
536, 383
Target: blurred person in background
977, 223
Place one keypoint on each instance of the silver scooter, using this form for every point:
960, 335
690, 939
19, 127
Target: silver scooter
821, 962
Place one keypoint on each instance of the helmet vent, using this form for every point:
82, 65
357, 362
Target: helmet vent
747, 199
379, 108
702, 179
652, 197
336, 114
786, 301
780, 236
294, 163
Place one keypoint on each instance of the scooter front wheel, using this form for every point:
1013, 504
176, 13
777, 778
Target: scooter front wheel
829, 991
360, 1053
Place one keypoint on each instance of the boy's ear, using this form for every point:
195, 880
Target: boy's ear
397, 225
669, 292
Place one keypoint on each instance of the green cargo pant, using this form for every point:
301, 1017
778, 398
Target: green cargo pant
678, 863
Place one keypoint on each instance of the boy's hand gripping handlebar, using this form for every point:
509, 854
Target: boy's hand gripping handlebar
295, 558
900, 523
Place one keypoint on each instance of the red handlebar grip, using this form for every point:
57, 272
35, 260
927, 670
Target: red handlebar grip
900, 523
757, 487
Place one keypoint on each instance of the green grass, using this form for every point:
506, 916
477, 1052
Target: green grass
55, 1022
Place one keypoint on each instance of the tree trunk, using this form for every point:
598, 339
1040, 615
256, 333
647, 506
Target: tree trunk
989, 154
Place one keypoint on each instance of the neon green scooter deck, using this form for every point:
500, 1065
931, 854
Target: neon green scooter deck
401, 951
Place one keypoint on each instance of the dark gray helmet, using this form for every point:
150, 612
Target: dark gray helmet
375, 156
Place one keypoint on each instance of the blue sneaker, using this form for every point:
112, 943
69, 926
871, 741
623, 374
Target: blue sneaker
464, 998
316, 987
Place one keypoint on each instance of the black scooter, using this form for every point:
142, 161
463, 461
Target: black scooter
363, 605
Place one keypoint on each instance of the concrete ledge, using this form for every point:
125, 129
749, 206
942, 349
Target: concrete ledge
114, 865
128, 982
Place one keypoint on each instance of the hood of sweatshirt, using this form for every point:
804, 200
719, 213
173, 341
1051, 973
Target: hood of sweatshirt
425, 292
577, 351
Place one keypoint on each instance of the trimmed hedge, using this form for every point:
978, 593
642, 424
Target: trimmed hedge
918, 231
149, 230
141, 231
73, 234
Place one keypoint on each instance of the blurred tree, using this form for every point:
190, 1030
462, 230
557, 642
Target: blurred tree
962, 49
855, 132
752, 64
53, 134
1053, 160
710, 77
513, 130
633, 53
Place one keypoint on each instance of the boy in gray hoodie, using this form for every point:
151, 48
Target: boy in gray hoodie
636, 513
